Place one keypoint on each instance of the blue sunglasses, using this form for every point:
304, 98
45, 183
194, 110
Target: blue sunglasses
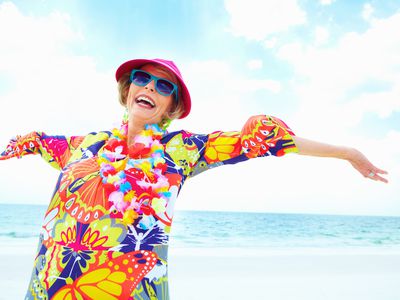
163, 86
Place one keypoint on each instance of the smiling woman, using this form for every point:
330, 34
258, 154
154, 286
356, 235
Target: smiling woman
106, 230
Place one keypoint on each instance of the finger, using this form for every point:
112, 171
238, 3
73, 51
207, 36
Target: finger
377, 170
376, 177
380, 171
379, 178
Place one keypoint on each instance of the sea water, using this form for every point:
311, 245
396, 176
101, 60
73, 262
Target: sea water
210, 229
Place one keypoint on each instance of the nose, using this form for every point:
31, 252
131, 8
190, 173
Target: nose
150, 86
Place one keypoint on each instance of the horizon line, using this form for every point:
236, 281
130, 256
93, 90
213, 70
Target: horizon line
247, 211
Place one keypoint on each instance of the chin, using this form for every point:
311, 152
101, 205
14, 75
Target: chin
143, 117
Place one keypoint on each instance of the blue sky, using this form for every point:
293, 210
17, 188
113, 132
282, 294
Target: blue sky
329, 68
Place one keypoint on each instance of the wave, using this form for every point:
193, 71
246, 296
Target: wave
18, 234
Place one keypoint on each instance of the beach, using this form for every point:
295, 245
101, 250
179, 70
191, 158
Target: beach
249, 273
235, 255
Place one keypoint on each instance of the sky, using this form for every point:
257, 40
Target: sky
329, 68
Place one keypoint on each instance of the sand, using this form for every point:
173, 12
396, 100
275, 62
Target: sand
273, 274
265, 275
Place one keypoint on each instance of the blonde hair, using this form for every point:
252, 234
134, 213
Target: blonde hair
175, 112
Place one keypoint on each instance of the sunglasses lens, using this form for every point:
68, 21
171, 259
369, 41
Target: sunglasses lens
165, 87
141, 78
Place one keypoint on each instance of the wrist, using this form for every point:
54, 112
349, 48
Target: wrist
347, 153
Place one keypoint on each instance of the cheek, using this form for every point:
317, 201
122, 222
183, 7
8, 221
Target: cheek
126, 93
129, 92
167, 106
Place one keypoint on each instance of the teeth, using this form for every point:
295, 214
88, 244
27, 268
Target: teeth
145, 99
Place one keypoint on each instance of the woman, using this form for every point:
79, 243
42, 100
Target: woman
105, 232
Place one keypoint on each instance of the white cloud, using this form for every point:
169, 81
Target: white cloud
328, 75
221, 94
321, 35
381, 103
254, 64
332, 85
270, 42
40, 35
45, 78
253, 85
367, 12
257, 19
326, 2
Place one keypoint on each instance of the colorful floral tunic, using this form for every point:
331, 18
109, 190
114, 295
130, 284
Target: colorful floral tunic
85, 250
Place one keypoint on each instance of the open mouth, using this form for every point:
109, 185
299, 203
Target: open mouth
145, 101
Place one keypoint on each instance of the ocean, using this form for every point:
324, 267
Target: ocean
241, 230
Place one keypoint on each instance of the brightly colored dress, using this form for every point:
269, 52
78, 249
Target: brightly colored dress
85, 249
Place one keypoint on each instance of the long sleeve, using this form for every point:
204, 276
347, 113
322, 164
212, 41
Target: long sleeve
260, 136
56, 150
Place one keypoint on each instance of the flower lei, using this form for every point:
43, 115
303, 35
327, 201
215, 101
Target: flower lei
142, 164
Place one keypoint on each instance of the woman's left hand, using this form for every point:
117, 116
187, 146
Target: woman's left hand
365, 167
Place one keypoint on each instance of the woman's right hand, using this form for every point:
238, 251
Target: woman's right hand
20, 146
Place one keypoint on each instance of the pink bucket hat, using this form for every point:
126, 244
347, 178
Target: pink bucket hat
137, 63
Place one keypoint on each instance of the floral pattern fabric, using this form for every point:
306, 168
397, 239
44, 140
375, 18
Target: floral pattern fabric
85, 251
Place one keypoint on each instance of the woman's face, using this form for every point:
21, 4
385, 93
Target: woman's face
139, 97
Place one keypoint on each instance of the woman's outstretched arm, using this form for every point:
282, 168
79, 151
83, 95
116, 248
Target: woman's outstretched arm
56, 150
355, 157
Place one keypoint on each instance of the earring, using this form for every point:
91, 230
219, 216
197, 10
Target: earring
126, 115
164, 124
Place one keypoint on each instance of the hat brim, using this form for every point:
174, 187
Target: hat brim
129, 65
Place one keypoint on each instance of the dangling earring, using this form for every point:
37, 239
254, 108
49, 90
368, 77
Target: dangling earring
126, 115
164, 124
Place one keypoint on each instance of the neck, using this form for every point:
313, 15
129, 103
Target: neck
134, 128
